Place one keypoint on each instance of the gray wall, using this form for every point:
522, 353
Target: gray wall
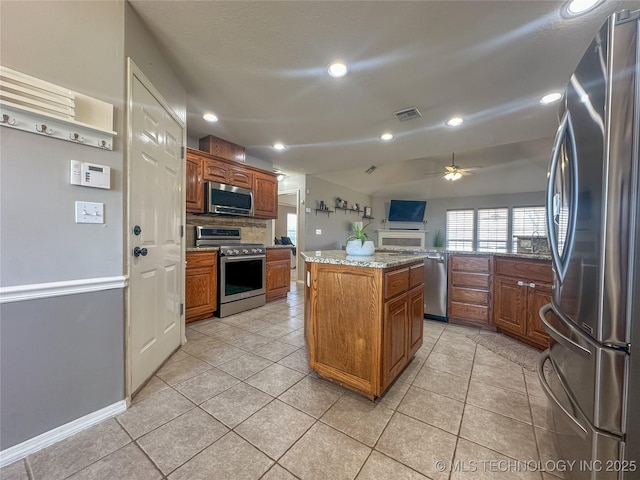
335, 227
61, 357
436, 211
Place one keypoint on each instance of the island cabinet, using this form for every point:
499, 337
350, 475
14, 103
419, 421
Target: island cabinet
202, 167
278, 273
520, 289
470, 289
363, 324
201, 275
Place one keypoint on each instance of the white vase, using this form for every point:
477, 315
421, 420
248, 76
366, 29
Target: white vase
355, 247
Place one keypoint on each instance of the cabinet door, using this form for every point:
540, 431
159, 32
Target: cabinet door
240, 177
215, 171
194, 185
539, 296
200, 286
510, 305
278, 279
416, 320
394, 338
265, 196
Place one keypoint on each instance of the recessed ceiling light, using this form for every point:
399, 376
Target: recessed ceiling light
385, 137
550, 98
455, 121
574, 8
279, 146
337, 69
210, 117
281, 176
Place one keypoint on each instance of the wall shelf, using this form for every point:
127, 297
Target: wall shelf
35, 106
350, 210
368, 218
324, 211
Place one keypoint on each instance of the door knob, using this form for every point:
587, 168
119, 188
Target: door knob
139, 251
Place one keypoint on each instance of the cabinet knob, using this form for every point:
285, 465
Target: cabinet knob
520, 283
532, 285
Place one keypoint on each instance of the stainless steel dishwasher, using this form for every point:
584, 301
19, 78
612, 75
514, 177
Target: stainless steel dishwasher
435, 286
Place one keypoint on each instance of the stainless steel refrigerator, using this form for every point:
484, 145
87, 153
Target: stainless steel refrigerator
591, 372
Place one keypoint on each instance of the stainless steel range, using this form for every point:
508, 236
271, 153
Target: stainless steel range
241, 270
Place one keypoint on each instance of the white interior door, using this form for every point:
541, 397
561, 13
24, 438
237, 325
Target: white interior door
155, 207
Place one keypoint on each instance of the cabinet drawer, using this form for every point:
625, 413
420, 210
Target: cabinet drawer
278, 254
469, 312
416, 275
526, 270
468, 295
480, 280
395, 282
201, 259
468, 263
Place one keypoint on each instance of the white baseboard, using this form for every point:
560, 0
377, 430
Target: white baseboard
55, 289
46, 439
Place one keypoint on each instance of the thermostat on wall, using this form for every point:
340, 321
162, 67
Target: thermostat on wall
90, 174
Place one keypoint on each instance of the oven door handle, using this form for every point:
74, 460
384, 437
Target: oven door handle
239, 258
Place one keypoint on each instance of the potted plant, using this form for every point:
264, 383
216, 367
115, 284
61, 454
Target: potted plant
359, 243
339, 202
438, 239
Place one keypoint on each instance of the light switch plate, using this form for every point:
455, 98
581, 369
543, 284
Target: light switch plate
318, 231
89, 212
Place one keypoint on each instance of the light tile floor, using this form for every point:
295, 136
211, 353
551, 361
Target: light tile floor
239, 401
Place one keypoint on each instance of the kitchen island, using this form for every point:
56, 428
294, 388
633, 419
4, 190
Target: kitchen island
363, 316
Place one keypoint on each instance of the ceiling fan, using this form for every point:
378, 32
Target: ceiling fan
454, 172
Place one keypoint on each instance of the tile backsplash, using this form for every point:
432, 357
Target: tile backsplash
253, 230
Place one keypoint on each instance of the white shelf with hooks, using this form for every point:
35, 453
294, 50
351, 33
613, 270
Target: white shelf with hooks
33, 105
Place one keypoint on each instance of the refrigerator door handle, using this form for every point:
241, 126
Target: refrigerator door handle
557, 336
546, 355
554, 199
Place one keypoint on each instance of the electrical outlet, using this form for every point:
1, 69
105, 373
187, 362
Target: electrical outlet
318, 231
89, 212
307, 210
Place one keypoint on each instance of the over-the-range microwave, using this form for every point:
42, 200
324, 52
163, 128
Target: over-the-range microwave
229, 200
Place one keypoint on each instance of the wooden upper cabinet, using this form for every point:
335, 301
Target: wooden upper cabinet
240, 177
194, 184
215, 171
265, 195
222, 148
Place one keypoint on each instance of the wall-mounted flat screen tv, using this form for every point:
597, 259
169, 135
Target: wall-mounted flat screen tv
407, 210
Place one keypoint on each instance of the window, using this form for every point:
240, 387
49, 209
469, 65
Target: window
493, 224
459, 230
528, 221
292, 222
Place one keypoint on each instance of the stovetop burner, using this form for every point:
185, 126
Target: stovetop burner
229, 241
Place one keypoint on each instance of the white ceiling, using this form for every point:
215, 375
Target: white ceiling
261, 67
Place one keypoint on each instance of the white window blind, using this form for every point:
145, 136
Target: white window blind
292, 224
459, 230
493, 225
528, 221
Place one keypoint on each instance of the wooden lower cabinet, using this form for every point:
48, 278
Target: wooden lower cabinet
201, 284
361, 328
521, 288
278, 273
469, 299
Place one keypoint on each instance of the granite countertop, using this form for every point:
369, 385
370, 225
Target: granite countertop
280, 246
529, 256
377, 260
203, 249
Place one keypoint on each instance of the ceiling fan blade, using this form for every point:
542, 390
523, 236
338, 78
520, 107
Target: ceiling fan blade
432, 173
468, 169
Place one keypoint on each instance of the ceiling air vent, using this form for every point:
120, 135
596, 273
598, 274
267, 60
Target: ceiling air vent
408, 114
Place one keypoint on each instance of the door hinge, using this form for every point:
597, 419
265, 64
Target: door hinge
182, 309
182, 230
182, 151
